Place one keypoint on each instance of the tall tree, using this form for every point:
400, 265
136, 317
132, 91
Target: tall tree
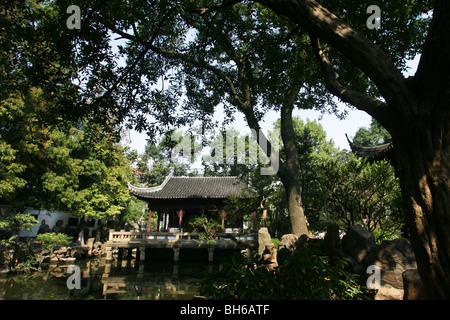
414, 110
361, 68
243, 57
79, 167
54, 155
31, 46
313, 149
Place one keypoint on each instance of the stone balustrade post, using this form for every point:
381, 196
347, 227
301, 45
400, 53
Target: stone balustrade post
210, 254
176, 254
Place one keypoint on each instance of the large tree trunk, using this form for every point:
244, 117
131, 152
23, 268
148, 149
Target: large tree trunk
423, 158
296, 212
422, 142
416, 113
289, 169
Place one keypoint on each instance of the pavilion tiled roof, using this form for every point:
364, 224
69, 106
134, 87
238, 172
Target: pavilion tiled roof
192, 187
383, 151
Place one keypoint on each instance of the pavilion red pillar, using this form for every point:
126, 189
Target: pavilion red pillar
180, 218
254, 220
223, 214
149, 223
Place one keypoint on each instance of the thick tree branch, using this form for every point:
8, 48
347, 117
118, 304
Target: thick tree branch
244, 72
172, 54
433, 72
371, 105
141, 56
319, 21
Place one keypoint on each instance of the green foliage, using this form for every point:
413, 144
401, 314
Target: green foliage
78, 167
205, 228
17, 255
51, 239
135, 211
159, 160
243, 57
199, 57
372, 136
239, 210
340, 187
306, 274
17, 222
50, 155
403, 29
355, 191
33, 40
313, 148
89, 174
18, 136
10, 225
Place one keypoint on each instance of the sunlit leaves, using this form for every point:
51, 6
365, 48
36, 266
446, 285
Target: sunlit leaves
78, 167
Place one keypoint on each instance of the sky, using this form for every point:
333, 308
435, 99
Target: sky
334, 127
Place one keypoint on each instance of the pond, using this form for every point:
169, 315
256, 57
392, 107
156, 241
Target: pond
155, 280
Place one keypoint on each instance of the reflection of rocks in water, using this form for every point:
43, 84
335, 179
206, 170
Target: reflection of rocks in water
50, 283
159, 281
163, 280
153, 289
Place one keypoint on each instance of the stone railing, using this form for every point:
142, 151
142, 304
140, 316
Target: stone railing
133, 236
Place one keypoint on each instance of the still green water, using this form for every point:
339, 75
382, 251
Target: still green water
160, 280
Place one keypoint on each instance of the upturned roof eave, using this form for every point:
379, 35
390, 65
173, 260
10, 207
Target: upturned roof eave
152, 192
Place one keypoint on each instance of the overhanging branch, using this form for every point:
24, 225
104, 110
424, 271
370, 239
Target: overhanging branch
371, 105
363, 53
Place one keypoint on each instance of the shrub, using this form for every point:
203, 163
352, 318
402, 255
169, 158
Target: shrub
305, 274
205, 228
51, 240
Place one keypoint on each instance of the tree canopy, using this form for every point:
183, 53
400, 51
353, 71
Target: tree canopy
252, 56
79, 168
372, 136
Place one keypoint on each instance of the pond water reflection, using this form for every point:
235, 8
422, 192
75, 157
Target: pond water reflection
158, 280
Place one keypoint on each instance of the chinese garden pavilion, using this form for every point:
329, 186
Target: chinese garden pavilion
179, 199
380, 152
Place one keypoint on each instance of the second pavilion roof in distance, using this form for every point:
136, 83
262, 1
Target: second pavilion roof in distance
383, 151
192, 187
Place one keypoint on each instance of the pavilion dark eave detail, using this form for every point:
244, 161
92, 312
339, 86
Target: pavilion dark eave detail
383, 151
